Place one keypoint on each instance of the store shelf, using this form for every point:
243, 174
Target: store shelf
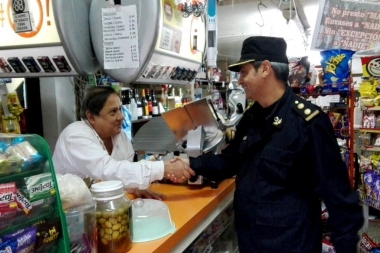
372, 108
369, 130
370, 148
370, 201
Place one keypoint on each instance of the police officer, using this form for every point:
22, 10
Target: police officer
286, 159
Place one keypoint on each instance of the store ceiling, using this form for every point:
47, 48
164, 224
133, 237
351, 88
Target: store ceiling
239, 19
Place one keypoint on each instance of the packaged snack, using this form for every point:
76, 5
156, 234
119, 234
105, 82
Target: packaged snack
336, 69
8, 246
298, 71
368, 179
7, 194
39, 186
371, 65
23, 203
47, 235
25, 239
22, 149
367, 242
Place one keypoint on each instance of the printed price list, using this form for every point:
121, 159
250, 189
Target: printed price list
120, 37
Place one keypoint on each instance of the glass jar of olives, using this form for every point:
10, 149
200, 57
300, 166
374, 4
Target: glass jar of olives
113, 217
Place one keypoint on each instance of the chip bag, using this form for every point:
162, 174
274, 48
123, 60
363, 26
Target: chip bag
336, 69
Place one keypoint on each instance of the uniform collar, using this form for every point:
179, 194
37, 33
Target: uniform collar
277, 116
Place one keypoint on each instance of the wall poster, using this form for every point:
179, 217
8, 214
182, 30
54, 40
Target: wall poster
348, 24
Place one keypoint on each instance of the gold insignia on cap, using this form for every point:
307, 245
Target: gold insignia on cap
307, 111
277, 121
296, 102
300, 106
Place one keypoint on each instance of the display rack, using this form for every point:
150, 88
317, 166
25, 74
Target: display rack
369, 146
44, 208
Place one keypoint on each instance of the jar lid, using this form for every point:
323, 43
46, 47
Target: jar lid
107, 186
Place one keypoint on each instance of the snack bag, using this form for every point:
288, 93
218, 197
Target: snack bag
371, 65
336, 69
22, 149
298, 71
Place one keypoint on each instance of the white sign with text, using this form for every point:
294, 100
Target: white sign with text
120, 37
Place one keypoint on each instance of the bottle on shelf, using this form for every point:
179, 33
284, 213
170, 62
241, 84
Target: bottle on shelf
149, 101
133, 107
139, 107
155, 111
144, 103
126, 101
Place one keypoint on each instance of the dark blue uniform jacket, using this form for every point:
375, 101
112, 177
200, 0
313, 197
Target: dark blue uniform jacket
285, 161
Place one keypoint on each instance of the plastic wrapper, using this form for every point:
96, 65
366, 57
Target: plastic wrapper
47, 235
21, 149
24, 239
73, 191
39, 186
298, 71
336, 69
371, 65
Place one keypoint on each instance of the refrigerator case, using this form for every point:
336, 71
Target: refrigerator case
46, 207
60, 45
170, 47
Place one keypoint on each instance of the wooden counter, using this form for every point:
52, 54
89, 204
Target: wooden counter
192, 209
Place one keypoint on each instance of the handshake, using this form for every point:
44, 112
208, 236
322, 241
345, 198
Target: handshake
178, 170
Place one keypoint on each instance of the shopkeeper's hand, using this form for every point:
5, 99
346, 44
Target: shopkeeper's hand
177, 171
146, 194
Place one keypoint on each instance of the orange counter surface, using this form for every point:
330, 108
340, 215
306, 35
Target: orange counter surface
192, 208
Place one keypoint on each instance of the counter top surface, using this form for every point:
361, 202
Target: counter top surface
188, 205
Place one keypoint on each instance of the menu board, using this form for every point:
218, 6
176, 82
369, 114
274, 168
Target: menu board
120, 37
45, 31
349, 25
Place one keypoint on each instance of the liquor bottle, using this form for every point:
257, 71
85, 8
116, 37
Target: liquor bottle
138, 105
166, 105
127, 100
149, 101
161, 99
155, 111
144, 104
133, 107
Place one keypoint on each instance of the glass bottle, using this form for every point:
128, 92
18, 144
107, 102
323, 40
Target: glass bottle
155, 111
149, 101
144, 104
138, 105
113, 217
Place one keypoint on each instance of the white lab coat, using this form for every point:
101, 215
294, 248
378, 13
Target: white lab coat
80, 151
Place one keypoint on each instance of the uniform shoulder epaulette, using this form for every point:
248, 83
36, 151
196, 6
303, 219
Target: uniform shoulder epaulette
304, 108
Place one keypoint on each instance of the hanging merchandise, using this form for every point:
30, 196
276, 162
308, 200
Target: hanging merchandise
336, 70
298, 71
371, 65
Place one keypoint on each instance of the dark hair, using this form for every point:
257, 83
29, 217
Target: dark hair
95, 99
281, 70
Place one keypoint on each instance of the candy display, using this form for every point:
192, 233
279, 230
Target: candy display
30, 216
